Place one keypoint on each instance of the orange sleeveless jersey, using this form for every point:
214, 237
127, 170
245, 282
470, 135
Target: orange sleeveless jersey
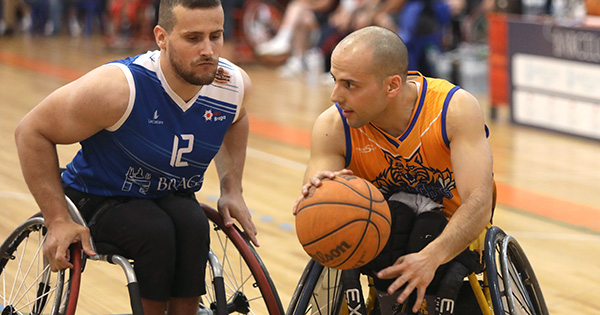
416, 162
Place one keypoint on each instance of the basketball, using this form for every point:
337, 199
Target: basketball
344, 223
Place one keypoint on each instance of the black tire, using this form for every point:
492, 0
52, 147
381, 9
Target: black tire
260, 21
27, 284
514, 288
248, 286
318, 292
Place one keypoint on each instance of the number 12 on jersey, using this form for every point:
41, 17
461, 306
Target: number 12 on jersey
179, 151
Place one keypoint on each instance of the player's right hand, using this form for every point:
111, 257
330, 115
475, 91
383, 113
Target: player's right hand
316, 181
61, 234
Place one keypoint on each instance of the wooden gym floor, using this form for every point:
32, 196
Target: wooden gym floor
547, 183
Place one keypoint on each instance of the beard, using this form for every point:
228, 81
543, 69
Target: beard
189, 75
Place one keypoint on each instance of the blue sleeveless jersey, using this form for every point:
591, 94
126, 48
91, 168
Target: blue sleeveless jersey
161, 144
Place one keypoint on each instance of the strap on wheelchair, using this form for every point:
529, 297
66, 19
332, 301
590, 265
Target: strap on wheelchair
353, 292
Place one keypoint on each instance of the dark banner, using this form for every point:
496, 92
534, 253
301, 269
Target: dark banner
554, 74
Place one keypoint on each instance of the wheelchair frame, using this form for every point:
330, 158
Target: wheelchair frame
508, 284
236, 278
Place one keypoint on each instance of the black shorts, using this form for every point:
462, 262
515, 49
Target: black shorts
168, 239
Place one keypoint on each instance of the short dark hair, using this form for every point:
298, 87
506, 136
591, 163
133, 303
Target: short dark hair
167, 19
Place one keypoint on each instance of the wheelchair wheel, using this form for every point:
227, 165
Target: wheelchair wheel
248, 286
513, 285
27, 284
319, 291
261, 20
259, 23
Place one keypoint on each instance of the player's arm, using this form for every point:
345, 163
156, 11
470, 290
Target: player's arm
472, 165
327, 146
70, 114
327, 151
229, 162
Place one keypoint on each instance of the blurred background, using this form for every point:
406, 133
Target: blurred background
534, 66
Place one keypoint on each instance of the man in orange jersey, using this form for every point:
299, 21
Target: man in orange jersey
419, 140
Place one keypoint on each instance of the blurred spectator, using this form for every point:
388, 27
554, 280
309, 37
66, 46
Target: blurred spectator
39, 15
130, 24
48, 17
230, 8
340, 23
94, 11
421, 25
299, 31
11, 9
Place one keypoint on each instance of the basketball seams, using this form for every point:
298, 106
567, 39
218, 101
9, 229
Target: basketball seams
334, 214
341, 227
352, 205
359, 242
370, 197
362, 237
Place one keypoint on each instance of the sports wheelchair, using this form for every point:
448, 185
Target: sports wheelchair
508, 284
237, 281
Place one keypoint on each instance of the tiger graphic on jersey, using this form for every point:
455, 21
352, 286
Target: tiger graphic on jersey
411, 176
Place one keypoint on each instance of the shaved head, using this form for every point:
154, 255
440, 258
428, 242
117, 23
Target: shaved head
389, 54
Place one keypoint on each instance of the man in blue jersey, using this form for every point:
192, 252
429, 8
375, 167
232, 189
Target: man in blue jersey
148, 126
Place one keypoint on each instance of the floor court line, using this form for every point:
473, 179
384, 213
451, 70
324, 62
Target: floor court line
299, 167
40, 66
275, 159
555, 236
16, 195
528, 201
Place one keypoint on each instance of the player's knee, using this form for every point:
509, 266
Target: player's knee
195, 229
157, 239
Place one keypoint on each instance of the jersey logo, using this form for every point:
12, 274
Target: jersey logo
216, 116
222, 76
138, 179
368, 148
208, 115
154, 120
410, 175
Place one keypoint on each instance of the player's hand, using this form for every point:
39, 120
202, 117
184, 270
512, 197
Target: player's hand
416, 271
61, 234
316, 181
233, 206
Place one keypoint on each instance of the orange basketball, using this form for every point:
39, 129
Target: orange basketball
343, 224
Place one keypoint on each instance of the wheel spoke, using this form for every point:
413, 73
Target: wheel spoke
28, 285
244, 283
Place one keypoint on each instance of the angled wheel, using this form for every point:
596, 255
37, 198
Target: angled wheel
260, 22
27, 284
513, 285
248, 286
319, 291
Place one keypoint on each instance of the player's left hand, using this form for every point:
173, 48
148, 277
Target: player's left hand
416, 271
233, 206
